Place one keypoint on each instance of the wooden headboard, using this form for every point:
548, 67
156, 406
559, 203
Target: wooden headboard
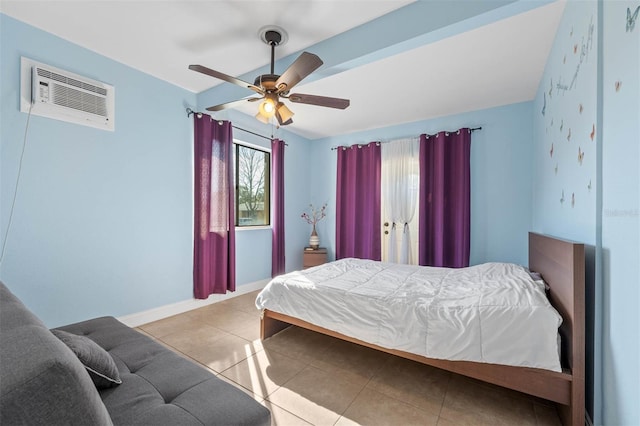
551, 257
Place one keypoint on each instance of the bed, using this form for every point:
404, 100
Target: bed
561, 264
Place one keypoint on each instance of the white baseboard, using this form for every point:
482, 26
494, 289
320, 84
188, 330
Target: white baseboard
139, 318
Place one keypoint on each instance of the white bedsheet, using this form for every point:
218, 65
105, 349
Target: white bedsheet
493, 313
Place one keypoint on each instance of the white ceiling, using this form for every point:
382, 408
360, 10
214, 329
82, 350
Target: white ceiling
494, 58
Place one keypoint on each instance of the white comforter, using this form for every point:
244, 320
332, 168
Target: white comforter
494, 312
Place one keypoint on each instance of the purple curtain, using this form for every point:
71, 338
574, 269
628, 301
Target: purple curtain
214, 262
444, 209
277, 197
358, 202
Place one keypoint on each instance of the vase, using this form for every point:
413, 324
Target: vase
314, 240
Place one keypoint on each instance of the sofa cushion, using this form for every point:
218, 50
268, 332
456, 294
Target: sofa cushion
160, 387
43, 382
101, 367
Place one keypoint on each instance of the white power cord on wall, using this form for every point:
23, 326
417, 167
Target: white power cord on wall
15, 191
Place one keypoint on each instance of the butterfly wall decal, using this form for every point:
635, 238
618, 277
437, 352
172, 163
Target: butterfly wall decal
573, 199
593, 132
580, 155
562, 198
551, 151
618, 84
569, 135
631, 18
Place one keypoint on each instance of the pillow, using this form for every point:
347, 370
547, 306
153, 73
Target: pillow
97, 361
537, 277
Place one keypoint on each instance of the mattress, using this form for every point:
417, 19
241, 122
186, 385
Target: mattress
492, 313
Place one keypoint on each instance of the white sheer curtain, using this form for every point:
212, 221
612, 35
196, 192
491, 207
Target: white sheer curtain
400, 187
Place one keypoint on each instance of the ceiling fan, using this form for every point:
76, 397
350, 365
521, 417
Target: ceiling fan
272, 87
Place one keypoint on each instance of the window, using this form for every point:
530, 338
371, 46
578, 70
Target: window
252, 180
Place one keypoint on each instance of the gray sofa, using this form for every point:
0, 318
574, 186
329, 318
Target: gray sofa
43, 381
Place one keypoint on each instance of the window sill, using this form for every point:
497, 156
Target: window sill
252, 228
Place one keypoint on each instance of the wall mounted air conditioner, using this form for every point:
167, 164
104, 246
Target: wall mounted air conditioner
54, 93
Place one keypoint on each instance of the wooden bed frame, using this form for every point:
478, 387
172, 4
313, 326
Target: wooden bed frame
562, 266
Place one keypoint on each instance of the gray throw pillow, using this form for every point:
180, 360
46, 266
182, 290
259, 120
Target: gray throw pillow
96, 360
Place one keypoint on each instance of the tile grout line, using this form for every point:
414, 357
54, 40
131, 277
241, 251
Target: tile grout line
354, 400
444, 398
306, 365
284, 409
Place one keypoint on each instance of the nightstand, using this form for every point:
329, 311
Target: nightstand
313, 257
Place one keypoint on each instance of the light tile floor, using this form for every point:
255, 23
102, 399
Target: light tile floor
307, 378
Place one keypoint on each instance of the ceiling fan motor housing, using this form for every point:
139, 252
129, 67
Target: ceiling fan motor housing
267, 81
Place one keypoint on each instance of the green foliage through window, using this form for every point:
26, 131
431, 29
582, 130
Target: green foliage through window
252, 178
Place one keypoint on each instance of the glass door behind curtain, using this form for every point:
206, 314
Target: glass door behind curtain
400, 184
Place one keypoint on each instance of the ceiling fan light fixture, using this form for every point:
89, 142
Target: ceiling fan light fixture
284, 112
262, 118
267, 108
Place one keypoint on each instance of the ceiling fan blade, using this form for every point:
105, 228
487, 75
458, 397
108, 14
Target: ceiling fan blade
319, 100
231, 104
225, 77
304, 65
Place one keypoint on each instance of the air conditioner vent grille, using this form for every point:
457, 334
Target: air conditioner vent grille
71, 81
76, 99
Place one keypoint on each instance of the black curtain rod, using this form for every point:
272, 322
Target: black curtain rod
446, 131
190, 111
333, 148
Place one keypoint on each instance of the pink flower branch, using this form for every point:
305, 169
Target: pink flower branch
315, 215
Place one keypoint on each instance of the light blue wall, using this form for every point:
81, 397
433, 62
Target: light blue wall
500, 177
620, 216
102, 222
564, 116
606, 216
